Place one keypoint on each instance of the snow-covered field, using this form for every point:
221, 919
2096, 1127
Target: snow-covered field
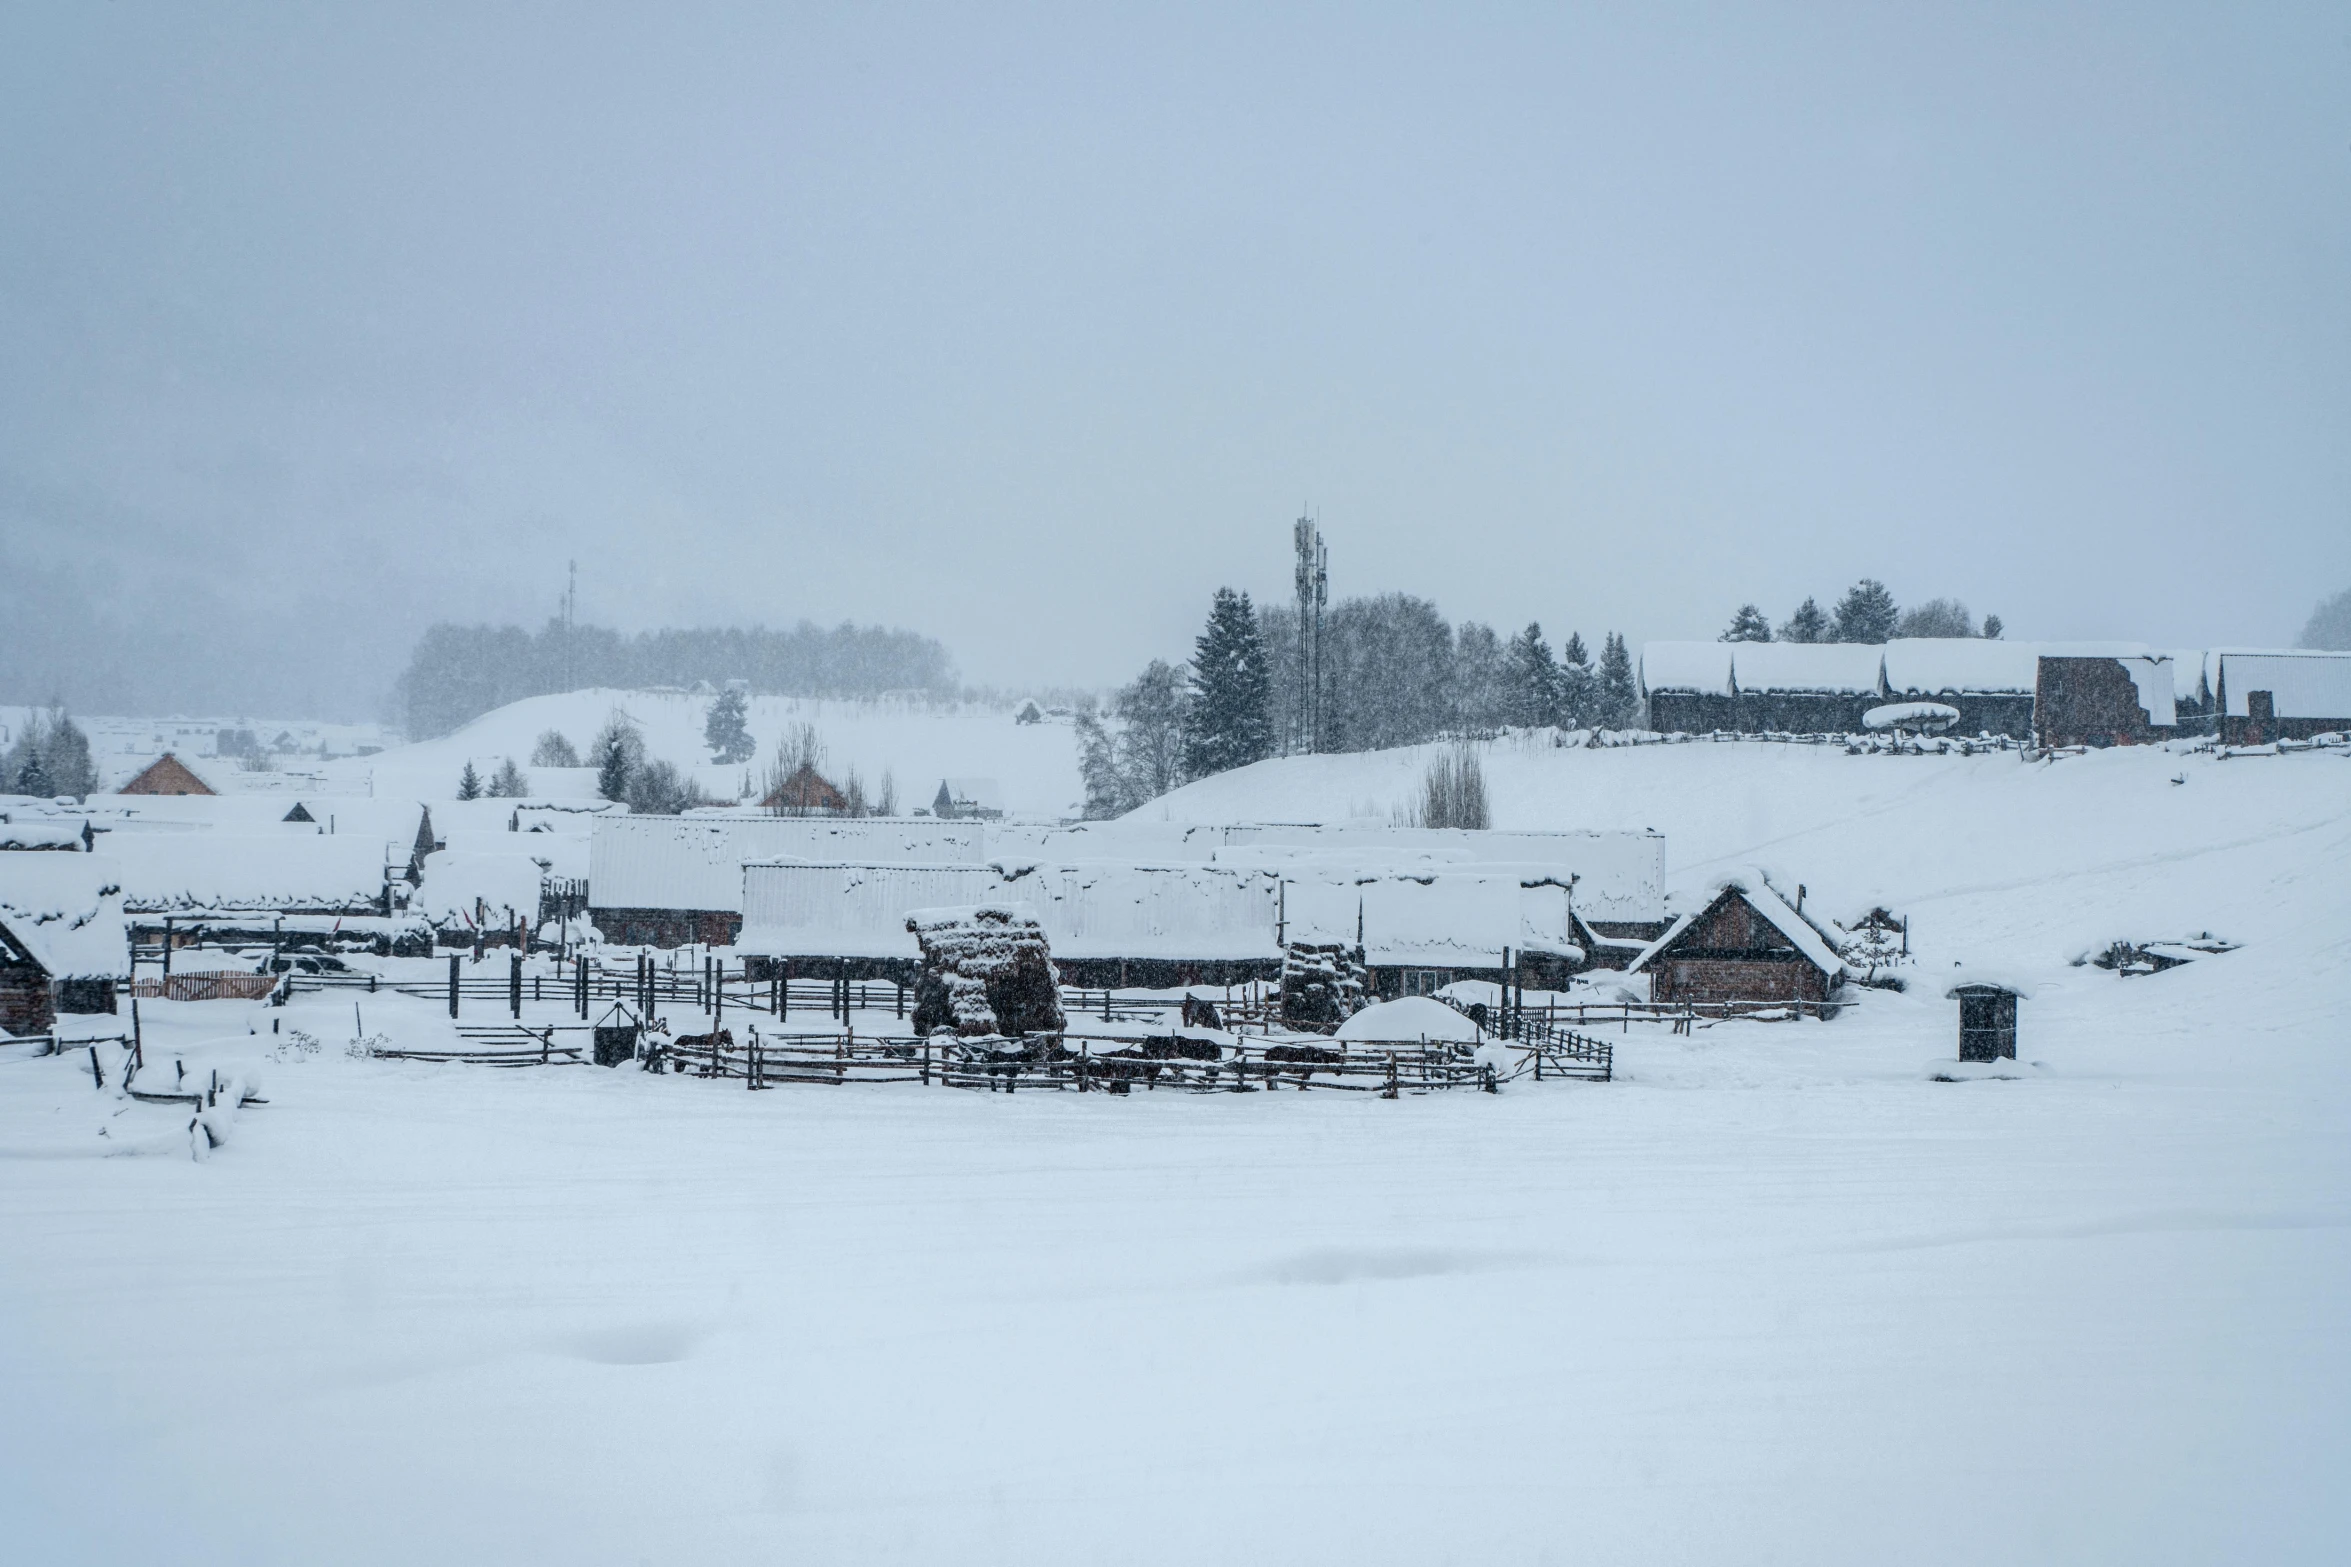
1772, 1296
916, 742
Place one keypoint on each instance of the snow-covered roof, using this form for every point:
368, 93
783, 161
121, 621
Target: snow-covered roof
296, 869
1616, 875
1089, 910
64, 911
1760, 897
1441, 919
1959, 666
676, 862
504, 881
1702, 667
49, 833
2300, 684
1837, 668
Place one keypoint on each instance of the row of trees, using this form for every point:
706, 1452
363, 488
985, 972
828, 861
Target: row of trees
51, 757
1867, 613
1394, 673
458, 673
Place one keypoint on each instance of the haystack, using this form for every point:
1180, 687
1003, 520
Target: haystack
986, 970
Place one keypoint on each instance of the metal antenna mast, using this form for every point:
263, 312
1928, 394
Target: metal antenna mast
1313, 585
571, 606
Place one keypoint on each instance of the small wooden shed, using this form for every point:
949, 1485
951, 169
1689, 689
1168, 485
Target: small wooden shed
1987, 1021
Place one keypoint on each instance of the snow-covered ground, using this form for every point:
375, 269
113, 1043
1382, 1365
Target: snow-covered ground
1773, 1295
916, 742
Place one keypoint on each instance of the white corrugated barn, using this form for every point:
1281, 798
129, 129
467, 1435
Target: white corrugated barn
2268, 696
670, 880
1108, 922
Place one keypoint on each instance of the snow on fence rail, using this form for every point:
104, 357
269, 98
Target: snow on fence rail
1117, 1064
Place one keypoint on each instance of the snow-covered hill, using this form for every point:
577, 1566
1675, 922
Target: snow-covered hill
915, 743
1995, 859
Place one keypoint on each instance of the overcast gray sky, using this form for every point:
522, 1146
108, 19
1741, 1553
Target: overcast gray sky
1029, 328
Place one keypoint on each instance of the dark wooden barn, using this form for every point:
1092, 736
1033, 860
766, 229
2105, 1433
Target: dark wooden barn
2103, 699
1746, 945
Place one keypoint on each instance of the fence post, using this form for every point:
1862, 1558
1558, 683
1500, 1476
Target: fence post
514, 985
452, 984
926, 1063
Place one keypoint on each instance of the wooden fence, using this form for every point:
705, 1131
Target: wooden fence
229, 985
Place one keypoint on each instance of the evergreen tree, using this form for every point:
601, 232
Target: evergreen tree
553, 750
612, 770
618, 752
508, 782
1532, 679
469, 782
1992, 628
1578, 686
1229, 722
1748, 625
1866, 613
1808, 624
32, 774
1619, 697
725, 732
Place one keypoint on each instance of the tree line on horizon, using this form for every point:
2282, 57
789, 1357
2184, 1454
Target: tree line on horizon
457, 673
1394, 673
1867, 613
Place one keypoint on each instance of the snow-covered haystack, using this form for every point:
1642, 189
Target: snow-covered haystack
986, 970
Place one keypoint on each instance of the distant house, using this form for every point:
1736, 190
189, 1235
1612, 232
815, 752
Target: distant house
1746, 945
2100, 698
167, 774
63, 942
969, 799
2265, 697
806, 792
300, 813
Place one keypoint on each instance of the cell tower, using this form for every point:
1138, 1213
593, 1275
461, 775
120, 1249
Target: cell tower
1314, 584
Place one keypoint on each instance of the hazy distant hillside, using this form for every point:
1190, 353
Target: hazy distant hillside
915, 743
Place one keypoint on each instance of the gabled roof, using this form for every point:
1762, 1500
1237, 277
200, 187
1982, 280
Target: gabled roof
167, 774
1757, 894
2301, 684
64, 911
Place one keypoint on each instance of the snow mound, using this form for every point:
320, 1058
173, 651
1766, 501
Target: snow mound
1412, 1017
